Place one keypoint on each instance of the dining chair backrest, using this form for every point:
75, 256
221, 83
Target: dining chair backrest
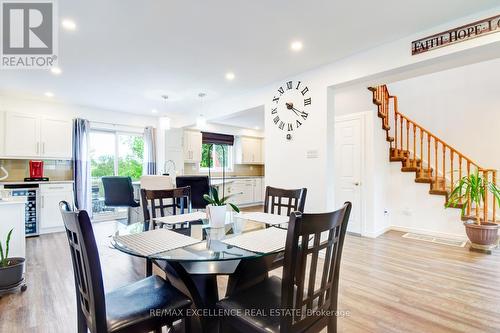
309, 287
118, 192
156, 202
277, 199
200, 186
86, 268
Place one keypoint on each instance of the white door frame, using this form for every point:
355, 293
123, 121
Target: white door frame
361, 116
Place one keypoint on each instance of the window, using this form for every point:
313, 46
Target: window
216, 156
113, 154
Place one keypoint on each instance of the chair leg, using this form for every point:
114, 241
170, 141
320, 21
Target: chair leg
187, 325
332, 325
149, 267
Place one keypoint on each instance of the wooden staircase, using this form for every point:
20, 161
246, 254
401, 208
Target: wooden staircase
433, 161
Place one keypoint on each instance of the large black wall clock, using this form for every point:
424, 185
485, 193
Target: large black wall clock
290, 107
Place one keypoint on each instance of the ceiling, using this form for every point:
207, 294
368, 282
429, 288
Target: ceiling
125, 54
252, 119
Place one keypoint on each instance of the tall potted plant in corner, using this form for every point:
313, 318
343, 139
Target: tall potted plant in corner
11, 269
483, 235
216, 209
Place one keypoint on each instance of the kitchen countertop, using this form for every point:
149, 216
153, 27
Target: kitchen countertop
40, 182
238, 177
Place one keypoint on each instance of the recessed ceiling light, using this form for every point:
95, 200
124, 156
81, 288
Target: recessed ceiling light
69, 24
56, 70
256, 128
49, 94
296, 46
230, 76
154, 111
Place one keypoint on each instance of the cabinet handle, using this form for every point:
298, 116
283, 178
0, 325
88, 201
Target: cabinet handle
43, 147
38, 147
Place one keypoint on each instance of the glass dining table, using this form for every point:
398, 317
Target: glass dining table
193, 268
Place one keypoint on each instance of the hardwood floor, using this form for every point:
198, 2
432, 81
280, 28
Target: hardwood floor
388, 284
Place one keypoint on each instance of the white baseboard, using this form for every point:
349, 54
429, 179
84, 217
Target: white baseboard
377, 233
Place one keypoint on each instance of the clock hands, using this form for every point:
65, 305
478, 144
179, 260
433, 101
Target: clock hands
290, 106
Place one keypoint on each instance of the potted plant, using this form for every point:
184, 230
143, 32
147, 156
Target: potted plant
216, 209
483, 235
11, 269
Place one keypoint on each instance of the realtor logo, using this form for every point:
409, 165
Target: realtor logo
28, 34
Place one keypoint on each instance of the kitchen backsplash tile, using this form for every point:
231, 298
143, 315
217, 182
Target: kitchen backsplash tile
54, 169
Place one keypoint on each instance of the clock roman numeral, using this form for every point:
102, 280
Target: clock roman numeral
276, 99
298, 123
289, 85
298, 84
276, 119
290, 127
281, 90
274, 111
304, 91
281, 125
304, 115
307, 101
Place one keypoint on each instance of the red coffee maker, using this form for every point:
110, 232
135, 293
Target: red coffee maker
36, 170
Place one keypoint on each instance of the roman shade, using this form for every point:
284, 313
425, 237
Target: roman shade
217, 138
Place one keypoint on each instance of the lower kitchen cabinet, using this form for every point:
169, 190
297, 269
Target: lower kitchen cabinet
245, 192
50, 196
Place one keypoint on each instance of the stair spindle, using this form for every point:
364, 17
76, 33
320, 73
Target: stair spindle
494, 198
395, 133
444, 165
435, 162
421, 153
460, 171
429, 156
414, 146
468, 196
485, 208
452, 171
408, 138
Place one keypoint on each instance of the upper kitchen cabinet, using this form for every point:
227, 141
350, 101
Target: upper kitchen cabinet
2, 133
192, 146
249, 150
56, 138
22, 135
31, 136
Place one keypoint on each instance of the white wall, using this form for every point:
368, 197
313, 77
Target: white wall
286, 162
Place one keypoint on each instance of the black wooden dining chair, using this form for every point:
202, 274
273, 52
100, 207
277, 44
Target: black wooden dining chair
283, 202
126, 309
156, 202
308, 289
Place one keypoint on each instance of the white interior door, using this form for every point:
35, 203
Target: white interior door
348, 167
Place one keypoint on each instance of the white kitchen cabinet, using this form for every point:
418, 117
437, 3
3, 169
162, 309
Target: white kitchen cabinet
2, 133
50, 196
249, 150
29, 136
22, 135
192, 146
259, 194
56, 138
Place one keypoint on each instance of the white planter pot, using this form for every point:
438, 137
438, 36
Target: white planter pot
217, 216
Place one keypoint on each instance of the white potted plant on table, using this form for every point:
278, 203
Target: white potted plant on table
217, 208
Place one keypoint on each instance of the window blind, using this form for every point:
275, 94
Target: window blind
217, 138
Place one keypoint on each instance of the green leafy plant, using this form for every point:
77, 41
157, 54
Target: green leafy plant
472, 187
4, 260
213, 199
